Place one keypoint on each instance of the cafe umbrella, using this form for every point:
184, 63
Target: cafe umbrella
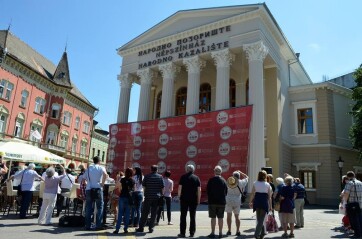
20, 151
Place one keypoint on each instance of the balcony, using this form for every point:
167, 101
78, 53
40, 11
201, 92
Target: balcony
53, 148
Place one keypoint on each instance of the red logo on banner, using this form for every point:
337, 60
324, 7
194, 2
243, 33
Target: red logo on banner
203, 140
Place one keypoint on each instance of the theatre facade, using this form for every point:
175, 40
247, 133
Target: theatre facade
224, 86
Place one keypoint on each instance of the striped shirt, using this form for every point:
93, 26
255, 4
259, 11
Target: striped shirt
153, 184
355, 193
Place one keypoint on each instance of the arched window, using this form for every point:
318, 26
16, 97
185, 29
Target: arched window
247, 92
158, 105
181, 96
232, 93
205, 98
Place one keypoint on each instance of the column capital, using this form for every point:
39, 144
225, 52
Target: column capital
194, 64
146, 76
169, 70
256, 51
223, 58
126, 80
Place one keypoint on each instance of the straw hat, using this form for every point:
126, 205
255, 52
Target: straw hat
232, 182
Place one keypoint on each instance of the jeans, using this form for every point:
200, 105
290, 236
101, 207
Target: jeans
356, 223
184, 207
136, 208
148, 205
299, 211
89, 209
123, 212
26, 199
168, 206
260, 216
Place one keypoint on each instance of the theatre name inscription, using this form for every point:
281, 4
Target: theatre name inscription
183, 48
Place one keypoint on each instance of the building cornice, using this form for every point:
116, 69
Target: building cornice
323, 85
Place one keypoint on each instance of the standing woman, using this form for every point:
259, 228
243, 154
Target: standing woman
260, 201
26, 177
51, 182
287, 196
167, 195
137, 196
126, 187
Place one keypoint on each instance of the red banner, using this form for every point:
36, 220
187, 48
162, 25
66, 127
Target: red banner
204, 140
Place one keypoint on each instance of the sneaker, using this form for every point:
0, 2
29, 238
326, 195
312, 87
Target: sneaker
191, 234
125, 230
212, 235
150, 230
170, 223
228, 233
221, 235
116, 231
291, 235
238, 234
181, 235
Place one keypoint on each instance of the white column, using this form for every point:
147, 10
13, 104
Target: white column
144, 104
168, 71
126, 81
193, 67
223, 60
256, 53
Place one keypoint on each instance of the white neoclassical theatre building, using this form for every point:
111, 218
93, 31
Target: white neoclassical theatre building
202, 60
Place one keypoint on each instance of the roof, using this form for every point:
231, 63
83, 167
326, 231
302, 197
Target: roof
25, 54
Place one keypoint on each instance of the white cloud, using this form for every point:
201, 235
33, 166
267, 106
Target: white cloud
315, 46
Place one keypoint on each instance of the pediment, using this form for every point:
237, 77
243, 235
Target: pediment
185, 20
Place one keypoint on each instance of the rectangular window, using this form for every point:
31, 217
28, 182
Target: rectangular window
55, 111
17, 131
77, 122
93, 151
2, 123
39, 105
83, 149
99, 153
305, 121
103, 154
6, 88
24, 98
67, 117
308, 179
64, 141
74, 145
86, 127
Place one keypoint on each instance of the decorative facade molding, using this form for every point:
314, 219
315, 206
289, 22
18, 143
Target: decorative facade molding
146, 76
169, 70
223, 58
307, 166
256, 51
126, 80
194, 64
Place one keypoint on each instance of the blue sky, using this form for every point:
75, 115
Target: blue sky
326, 33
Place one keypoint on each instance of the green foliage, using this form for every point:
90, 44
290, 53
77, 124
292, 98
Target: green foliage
355, 132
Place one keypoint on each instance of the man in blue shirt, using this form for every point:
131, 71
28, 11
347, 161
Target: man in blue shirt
299, 202
95, 176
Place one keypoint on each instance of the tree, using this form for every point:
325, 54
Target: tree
355, 132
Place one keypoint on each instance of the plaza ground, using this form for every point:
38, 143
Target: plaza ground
320, 222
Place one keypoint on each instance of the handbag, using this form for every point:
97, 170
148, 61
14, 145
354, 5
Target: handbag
243, 195
353, 208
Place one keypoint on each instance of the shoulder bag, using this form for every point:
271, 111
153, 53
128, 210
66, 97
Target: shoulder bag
19, 186
353, 208
243, 195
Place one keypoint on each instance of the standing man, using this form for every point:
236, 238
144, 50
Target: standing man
189, 192
95, 176
299, 203
216, 193
153, 188
353, 193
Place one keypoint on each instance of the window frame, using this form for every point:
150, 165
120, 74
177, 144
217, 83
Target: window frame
6, 89
67, 118
181, 101
57, 111
312, 177
3, 122
205, 91
86, 127
24, 99
305, 105
39, 105
232, 93
77, 123
83, 148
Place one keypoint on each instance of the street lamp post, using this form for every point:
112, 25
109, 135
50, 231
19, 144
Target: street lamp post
340, 166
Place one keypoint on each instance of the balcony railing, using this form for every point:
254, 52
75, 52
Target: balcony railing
53, 148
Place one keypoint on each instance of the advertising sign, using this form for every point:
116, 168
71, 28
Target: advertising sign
204, 140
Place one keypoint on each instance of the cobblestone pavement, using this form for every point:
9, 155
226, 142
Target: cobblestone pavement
320, 222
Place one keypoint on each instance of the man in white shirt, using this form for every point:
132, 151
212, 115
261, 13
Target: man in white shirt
95, 176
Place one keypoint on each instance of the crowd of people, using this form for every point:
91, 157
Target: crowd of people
138, 200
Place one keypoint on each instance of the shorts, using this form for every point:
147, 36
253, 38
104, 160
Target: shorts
233, 207
216, 211
287, 217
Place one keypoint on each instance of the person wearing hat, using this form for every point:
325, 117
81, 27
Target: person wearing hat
233, 198
216, 193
